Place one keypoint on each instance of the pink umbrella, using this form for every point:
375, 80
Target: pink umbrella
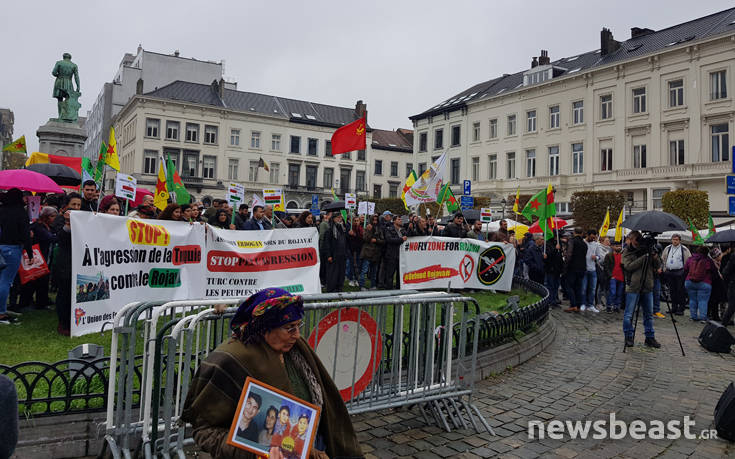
27, 180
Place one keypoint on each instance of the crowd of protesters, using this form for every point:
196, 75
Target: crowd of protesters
593, 275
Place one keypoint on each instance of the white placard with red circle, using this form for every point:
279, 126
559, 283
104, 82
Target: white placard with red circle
348, 336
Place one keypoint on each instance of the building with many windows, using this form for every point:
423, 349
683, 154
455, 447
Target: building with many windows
137, 74
391, 159
215, 135
644, 116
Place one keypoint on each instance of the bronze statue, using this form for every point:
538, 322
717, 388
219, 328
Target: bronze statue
64, 92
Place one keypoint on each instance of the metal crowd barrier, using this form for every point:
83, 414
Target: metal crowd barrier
417, 365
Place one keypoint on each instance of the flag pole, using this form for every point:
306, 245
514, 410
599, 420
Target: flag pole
126, 206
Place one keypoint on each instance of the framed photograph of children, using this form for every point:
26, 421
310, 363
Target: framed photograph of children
272, 423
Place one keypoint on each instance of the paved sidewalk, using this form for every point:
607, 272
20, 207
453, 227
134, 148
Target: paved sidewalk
583, 375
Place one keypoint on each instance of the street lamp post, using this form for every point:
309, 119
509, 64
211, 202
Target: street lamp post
630, 207
503, 203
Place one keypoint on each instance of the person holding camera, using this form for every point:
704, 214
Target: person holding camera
639, 267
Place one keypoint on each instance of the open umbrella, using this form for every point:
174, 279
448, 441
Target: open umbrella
23, 179
332, 206
558, 223
59, 173
654, 221
723, 236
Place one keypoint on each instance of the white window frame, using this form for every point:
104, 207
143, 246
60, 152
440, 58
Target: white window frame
476, 131
511, 125
253, 167
531, 121
232, 166
606, 159
210, 134
578, 112
492, 166
192, 135
276, 142
275, 169
152, 127
554, 117
493, 127
531, 163
510, 163
640, 156
718, 138
172, 127
578, 158
235, 137
150, 158
255, 140
676, 93
476, 168
553, 160
718, 85
639, 100
677, 152
606, 106
209, 171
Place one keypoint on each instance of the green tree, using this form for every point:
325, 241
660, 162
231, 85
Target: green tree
687, 204
589, 207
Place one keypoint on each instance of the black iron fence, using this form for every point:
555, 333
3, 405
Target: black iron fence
78, 386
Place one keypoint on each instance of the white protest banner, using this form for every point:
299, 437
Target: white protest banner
235, 195
34, 207
362, 208
437, 262
125, 186
486, 215
350, 200
240, 263
117, 260
371, 208
274, 197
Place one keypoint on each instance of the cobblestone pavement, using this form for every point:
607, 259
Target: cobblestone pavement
582, 375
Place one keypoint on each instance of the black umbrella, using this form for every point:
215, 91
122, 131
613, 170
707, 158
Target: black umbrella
336, 205
654, 221
723, 236
471, 215
59, 173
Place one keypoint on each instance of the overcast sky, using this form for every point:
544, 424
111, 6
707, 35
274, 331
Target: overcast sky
400, 57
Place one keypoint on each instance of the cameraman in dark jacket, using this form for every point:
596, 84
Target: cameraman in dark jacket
394, 237
456, 228
639, 266
576, 258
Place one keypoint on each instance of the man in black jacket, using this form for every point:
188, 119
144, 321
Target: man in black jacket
553, 266
89, 201
334, 251
576, 257
15, 237
394, 237
456, 228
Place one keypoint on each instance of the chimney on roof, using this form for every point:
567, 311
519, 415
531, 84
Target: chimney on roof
139, 86
636, 32
543, 59
176, 53
534, 62
360, 109
221, 88
608, 44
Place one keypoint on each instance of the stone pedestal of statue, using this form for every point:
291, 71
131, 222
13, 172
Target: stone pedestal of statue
62, 138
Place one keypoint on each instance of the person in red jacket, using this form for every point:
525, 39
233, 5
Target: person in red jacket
614, 270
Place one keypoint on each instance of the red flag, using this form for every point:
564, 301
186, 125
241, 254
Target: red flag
349, 137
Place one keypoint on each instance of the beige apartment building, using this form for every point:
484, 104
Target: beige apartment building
645, 115
216, 134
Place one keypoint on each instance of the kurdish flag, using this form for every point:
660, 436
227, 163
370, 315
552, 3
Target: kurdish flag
605, 224
410, 180
447, 197
174, 184
517, 200
111, 159
87, 170
16, 146
711, 226
486, 215
541, 205
100, 162
160, 199
695, 234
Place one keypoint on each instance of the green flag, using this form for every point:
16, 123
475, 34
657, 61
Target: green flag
711, 226
695, 234
100, 163
87, 170
174, 184
541, 206
447, 197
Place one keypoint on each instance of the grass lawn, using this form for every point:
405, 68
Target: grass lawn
36, 339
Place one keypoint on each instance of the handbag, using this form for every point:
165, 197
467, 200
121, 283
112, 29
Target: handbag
30, 270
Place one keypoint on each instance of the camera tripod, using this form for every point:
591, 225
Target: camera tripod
637, 306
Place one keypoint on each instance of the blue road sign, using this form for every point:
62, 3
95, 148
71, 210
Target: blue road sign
731, 205
314, 211
467, 187
466, 202
314, 200
733, 159
730, 184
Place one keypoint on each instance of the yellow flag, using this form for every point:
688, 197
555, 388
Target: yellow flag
16, 146
160, 199
605, 224
111, 158
619, 227
518, 198
410, 180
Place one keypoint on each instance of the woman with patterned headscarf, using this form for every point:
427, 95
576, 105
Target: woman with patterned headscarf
266, 344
